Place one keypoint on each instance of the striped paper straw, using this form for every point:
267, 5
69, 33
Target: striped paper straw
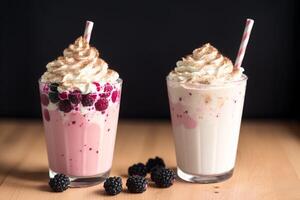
243, 46
88, 30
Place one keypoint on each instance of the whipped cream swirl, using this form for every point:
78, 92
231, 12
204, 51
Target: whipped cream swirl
78, 68
205, 66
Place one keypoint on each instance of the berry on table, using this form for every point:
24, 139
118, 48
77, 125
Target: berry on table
154, 162
155, 171
113, 185
59, 183
164, 178
136, 184
137, 169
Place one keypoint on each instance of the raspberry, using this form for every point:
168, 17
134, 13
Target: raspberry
113, 185
88, 99
75, 97
101, 104
59, 183
108, 87
114, 96
44, 99
136, 184
107, 90
104, 95
137, 169
63, 95
97, 86
65, 106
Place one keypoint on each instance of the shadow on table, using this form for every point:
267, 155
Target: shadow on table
36, 175
295, 129
31, 175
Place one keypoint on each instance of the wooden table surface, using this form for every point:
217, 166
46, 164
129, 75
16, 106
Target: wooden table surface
268, 163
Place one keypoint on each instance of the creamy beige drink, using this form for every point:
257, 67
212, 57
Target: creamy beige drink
206, 95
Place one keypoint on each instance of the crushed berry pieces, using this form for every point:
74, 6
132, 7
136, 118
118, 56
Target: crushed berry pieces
44, 99
46, 115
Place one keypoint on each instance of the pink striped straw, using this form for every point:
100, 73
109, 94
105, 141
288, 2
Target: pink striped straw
88, 30
244, 42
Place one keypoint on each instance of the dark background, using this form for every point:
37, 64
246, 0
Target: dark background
143, 40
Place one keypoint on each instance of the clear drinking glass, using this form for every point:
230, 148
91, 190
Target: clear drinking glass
206, 124
80, 131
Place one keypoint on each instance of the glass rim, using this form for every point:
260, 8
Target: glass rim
244, 78
118, 81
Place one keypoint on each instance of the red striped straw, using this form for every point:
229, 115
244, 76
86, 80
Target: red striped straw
88, 30
243, 46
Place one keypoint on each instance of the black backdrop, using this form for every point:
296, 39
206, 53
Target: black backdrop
143, 41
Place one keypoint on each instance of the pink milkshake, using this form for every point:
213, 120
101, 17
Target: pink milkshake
206, 95
80, 100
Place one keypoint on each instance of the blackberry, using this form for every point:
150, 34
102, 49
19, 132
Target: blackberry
75, 97
136, 184
113, 185
59, 183
164, 178
155, 171
53, 96
154, 162
137, 169
88, 100
53, 87
65, 106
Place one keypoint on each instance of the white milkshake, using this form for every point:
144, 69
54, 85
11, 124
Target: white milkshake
206, 96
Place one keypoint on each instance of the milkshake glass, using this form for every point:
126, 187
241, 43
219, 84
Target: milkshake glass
80, 99
206, 97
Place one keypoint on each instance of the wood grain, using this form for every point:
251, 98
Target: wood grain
268, 163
